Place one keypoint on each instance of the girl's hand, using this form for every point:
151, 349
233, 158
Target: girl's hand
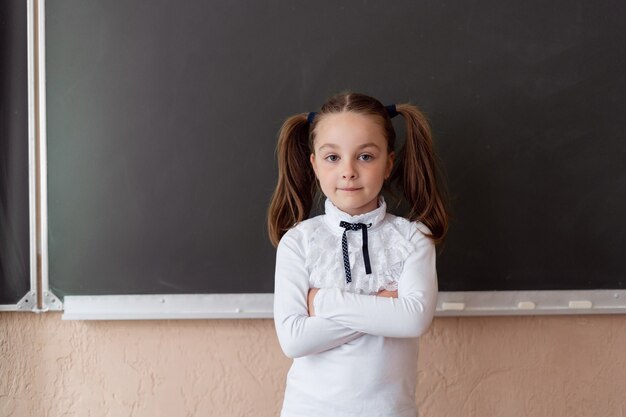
385, 293
311, 297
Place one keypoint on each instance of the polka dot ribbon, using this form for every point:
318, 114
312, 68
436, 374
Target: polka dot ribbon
344, 248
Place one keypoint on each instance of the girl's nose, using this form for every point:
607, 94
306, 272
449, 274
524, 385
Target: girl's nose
348, 171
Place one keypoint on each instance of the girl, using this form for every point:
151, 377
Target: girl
356, 286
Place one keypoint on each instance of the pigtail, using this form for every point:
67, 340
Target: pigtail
293, 197
417, 174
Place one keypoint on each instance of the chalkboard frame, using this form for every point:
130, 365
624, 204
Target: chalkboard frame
258, 305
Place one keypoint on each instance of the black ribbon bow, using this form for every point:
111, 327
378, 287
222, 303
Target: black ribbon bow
344, 246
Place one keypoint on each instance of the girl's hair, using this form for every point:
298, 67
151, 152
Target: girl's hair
415, 171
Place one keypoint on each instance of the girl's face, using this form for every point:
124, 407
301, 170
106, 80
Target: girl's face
351, 161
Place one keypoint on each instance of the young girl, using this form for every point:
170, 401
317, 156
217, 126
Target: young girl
356, 286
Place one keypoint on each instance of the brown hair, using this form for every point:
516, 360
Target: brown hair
415, 172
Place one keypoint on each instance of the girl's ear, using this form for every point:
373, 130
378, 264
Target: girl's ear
390, 159
313, 164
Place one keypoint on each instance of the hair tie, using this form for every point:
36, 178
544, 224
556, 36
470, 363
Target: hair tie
310, 117
391, 111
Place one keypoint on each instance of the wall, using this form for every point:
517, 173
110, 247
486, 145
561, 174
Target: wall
494, 366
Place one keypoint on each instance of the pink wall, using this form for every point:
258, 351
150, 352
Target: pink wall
494, 366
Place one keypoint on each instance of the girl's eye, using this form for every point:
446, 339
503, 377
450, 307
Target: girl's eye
332, 158
366, 157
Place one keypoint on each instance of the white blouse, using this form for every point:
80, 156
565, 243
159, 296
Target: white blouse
358, 355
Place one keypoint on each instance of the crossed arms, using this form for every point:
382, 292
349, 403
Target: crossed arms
340, 317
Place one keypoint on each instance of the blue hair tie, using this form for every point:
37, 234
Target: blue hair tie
310, 117
391, 111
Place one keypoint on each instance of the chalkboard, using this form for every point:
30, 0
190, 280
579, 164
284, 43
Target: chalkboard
14, 209
162, 119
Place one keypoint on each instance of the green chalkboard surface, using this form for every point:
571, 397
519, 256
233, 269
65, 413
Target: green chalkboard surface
14, 211
162, 119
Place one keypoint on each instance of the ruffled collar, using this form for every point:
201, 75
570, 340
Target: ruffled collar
334, 216
388, 247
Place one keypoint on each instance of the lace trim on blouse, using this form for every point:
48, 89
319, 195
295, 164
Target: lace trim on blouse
388, 249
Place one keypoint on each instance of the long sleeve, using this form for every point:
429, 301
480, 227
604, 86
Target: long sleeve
299, 334
409, 315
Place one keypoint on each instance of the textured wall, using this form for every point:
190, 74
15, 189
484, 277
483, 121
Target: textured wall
515, 366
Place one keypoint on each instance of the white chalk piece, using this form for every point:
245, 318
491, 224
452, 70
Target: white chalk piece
452, 306
580, 304
526, 305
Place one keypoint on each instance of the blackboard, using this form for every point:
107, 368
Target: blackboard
162, 119
14, 196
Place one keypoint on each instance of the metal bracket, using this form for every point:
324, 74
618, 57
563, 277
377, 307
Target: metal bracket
28, 302
50, 302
